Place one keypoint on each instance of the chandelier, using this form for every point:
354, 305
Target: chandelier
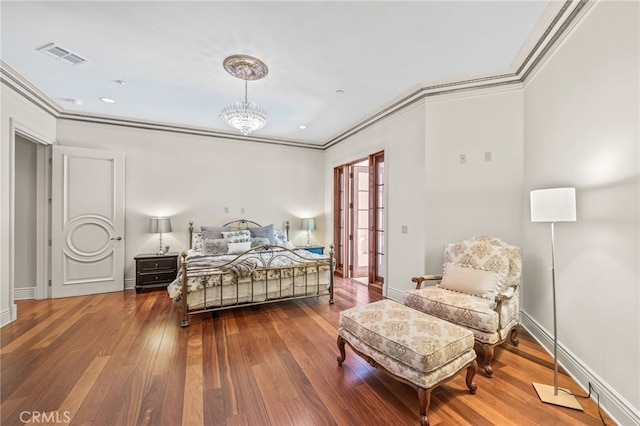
245, 115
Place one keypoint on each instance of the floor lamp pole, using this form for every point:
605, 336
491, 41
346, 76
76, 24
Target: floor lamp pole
555, 322
547, 393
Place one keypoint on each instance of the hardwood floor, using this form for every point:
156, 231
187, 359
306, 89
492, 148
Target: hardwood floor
122, 359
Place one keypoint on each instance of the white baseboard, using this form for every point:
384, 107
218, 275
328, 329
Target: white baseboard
395, 294
24, 293
8, 315
129, 283
619, 409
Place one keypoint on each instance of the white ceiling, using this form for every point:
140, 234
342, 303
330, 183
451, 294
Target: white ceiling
170, 54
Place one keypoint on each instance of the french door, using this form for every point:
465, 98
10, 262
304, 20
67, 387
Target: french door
359, 219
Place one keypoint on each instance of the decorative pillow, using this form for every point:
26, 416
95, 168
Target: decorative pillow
255, 242
197, 239
280, 237
264, 232
214, 232
237, 236
218, 246
489, 254
472, 281
237, 248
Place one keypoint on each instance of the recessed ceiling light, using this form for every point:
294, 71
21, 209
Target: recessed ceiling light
121, 82
302, 127
108, 100
339, 91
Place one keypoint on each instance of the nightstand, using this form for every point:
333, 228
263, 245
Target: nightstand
155, 270
312, 249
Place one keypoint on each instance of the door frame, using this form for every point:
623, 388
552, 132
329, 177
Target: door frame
344, 253
374, 224
43, 229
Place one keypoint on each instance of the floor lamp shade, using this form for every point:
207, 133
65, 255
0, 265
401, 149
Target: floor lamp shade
554, 205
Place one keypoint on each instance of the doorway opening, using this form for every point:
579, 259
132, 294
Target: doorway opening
30, 215
359, 219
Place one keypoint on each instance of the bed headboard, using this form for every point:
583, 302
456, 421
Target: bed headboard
238, 224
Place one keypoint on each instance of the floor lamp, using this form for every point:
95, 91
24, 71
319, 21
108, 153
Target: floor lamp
554, 205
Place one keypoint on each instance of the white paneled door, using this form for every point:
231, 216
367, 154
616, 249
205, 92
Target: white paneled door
87, 221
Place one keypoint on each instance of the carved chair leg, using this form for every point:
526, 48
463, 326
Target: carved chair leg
471, 373
343, 355
488, 357
424, 396
513, 336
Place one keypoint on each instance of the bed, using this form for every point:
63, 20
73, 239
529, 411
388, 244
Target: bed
243, 263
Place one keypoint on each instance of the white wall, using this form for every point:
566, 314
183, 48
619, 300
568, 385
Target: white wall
15, 111
25, 217
193, 178
582, 129
477, 197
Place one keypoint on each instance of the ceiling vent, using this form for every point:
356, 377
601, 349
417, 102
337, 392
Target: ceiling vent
62, 54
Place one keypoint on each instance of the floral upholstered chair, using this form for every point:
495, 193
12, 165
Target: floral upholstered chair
479, 289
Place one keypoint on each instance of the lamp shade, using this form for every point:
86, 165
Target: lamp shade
159, 225
309, 224
553, 205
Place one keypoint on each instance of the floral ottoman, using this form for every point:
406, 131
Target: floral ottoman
409, 345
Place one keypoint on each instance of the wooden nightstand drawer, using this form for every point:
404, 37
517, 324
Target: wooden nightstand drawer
162, 278
155, 271
152, 265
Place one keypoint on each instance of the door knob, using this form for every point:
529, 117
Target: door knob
116, 238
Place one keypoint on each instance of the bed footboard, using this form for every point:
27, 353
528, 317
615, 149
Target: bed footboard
270, 281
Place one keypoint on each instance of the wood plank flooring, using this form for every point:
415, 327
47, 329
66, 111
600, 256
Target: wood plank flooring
122, 359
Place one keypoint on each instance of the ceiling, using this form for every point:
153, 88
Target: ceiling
332, 64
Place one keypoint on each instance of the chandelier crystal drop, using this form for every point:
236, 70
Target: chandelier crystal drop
245, 115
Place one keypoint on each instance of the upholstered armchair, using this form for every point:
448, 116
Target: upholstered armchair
479, 289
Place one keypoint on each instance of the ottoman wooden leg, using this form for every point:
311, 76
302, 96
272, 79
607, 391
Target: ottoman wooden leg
424, 397
343, 355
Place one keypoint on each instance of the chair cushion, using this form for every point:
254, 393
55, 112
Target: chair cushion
460, 308
411, 337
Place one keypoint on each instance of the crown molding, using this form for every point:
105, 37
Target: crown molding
11, 78
554, 25
79, 117
557, 21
